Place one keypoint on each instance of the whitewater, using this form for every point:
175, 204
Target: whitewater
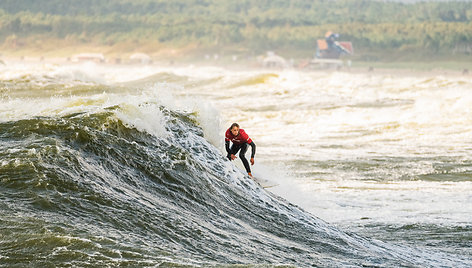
106, 165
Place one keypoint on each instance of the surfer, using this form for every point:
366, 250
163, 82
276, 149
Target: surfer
240, 141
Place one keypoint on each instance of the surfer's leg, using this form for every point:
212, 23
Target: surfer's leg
233, 150
243, 157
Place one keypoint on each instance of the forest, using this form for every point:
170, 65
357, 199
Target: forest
388, 27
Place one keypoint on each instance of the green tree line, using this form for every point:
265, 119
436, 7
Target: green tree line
431, 27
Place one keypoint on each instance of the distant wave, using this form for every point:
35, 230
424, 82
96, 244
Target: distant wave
257, 79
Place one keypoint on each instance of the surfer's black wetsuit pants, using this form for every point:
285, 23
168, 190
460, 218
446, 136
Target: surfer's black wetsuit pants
243, 147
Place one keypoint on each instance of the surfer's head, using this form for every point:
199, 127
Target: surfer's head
234, 129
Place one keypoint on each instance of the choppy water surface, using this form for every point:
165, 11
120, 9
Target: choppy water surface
103, 165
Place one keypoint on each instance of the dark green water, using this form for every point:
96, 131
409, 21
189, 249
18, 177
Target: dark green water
86, 190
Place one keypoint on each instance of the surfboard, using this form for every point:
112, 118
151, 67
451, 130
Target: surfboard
265, 183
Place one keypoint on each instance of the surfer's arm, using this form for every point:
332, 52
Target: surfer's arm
227, 146
253, 146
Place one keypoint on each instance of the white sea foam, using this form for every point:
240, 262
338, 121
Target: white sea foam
334, 123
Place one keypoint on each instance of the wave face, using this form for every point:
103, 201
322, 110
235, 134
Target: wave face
100, 175
384, 155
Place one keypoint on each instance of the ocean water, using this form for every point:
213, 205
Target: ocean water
124, 165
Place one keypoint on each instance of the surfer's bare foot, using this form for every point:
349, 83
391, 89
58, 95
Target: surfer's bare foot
250, 175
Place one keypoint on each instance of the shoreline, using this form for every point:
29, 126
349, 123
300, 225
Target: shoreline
400, 69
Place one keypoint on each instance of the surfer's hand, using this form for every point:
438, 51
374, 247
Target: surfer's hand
233, 157
252, 161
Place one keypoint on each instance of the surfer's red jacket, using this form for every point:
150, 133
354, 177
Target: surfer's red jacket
240, 139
